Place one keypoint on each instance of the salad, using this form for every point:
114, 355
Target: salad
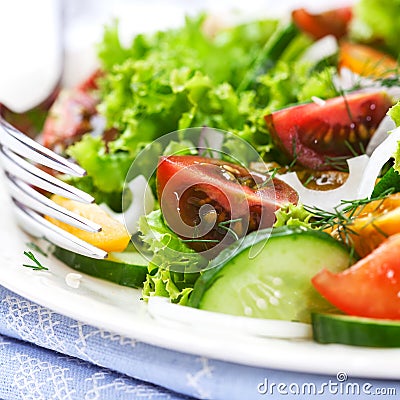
250, 170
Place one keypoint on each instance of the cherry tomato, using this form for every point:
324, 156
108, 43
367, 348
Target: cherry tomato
318, 136
333, 22
90, 83
370, 288
71, 115
207, 201
366, 61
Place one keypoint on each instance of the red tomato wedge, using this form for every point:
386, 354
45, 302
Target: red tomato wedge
316, 135
70, 116
366, 61
332, 22
198, 195
370, 288
91, 82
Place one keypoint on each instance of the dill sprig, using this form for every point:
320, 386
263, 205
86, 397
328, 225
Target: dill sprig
343, 216
294, 155
348, 109
200, 240
309, 179
37, 264
340, 162
270, 177
223, 225
34, 246
388, 78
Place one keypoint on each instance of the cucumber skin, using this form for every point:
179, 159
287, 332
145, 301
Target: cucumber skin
269, 55
355, 331
121, 273
206, 280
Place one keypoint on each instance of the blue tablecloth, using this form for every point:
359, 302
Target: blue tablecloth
45, 355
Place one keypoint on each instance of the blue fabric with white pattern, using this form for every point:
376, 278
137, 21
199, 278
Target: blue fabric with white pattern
45, 355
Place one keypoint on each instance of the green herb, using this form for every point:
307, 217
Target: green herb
294, 154
222, 225
343, 216
271, 175
199, 240
338, 163
309, 179
35, 247
380, 231
38, 266
351, 148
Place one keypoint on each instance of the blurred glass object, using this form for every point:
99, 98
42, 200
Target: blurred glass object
31, 46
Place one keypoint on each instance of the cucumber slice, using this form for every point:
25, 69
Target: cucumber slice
269, 55
126, 269
355, 331
276, 283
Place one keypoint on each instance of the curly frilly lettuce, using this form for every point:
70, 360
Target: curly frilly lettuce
173, 80
174, 267
293, 215
394, 113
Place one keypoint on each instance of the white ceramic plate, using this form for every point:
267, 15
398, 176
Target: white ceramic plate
120, 310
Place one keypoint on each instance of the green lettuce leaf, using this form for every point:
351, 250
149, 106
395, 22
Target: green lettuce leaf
377, 21
107, 170
174, 267
174, 80
293, 215
295, 82
394, 113
110, 51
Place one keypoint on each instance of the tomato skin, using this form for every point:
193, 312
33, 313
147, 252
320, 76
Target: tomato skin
370, 288
313, 133
186, 183
366, 61
90, 83
332, 22
70, 116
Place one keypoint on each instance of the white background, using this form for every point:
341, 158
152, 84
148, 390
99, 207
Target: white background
34, 33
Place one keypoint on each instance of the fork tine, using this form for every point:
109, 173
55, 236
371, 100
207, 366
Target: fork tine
15, 151
27, 172
32, 199
37, 226
26, 147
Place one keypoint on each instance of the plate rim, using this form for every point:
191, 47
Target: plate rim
260, 352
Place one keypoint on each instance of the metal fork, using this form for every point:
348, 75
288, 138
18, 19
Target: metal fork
18, 153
